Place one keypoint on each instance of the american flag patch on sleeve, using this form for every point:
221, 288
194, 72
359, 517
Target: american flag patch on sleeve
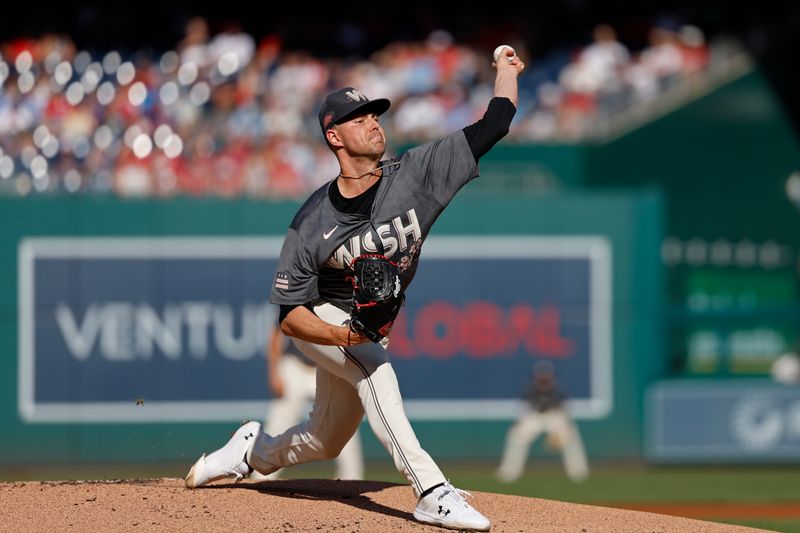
282, 280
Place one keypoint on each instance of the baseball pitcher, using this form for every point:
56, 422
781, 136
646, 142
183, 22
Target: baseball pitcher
348, 257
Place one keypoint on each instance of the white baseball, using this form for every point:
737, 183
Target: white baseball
499, 50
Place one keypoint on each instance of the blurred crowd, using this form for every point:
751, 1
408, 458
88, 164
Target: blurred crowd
227, 115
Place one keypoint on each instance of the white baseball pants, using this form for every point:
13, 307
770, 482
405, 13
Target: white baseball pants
299, 387
527, 428
351, 381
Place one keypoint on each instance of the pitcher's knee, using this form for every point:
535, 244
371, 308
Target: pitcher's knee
330, 453
324, 449
334, 447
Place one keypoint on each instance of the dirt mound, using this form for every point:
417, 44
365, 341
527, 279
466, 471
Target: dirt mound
292, 506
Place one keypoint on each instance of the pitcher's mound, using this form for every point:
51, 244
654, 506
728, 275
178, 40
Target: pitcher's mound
292, 506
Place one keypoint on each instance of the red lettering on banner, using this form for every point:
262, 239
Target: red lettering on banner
433, 317
540, 334
481, 330
553, 344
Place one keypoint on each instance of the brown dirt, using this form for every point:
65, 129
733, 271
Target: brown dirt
293, 506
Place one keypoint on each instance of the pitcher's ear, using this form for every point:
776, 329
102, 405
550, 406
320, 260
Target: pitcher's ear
333, 137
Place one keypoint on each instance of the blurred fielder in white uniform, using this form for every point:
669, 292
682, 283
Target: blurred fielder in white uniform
292, 378
545, 412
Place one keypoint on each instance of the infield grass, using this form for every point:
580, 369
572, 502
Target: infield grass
621, 485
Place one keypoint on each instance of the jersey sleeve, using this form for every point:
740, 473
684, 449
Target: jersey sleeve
296, 276
491, 128
444, 166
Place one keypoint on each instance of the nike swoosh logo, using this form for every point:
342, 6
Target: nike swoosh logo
326, 235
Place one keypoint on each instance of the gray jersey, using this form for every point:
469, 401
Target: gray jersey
322, 241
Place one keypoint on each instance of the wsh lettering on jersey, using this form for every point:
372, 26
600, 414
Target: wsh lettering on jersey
396, 236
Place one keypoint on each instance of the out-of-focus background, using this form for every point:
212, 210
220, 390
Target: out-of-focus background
638, 228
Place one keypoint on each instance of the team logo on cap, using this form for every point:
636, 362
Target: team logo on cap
356, 96
326, 121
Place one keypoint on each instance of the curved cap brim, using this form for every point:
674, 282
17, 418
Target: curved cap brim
379, 106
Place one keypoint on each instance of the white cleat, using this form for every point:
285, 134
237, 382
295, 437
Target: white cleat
446, 507
228, 461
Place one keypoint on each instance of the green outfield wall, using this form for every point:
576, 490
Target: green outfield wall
630, 222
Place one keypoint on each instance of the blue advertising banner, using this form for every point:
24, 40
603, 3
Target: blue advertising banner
179, 325
753, 420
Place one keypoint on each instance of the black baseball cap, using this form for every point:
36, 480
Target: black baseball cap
342, 104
